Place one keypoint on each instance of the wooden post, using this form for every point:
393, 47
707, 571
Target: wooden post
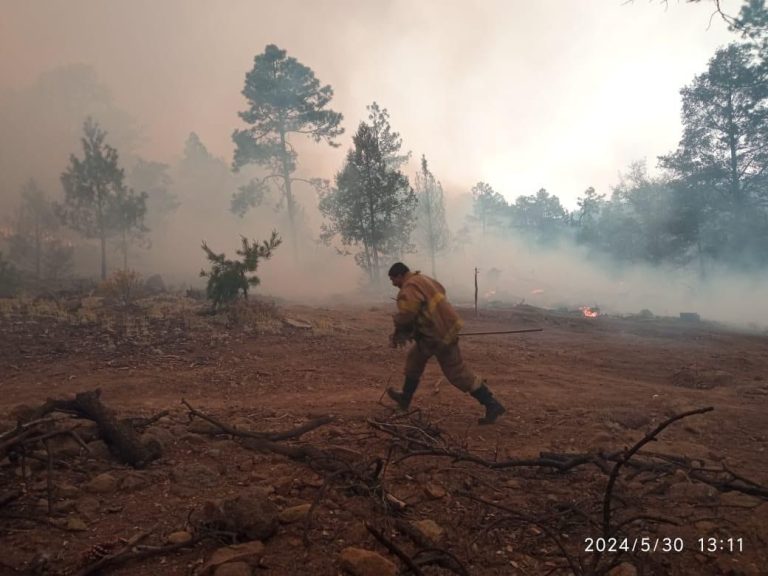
475, 292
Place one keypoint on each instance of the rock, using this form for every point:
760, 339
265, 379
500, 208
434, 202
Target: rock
180, 537
75, 524
434, 490
691, 492
360, 562
98, 449
249, 553
65, 490
102, 484
234, 569
429, 529
251, 516
133, 481
195, 475
294, 513
739, 500
623, 569
64, 446
513, 483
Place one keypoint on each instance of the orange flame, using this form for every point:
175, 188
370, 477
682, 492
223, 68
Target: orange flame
590, 312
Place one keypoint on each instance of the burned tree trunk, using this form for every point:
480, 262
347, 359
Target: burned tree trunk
119, 435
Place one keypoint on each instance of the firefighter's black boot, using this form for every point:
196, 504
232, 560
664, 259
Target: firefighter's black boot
403, 398
493, 409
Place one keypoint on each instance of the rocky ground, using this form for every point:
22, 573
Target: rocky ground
253, 479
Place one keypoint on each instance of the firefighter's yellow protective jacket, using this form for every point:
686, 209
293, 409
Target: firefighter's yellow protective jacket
423, 312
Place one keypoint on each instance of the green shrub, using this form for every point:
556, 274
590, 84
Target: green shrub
227, 278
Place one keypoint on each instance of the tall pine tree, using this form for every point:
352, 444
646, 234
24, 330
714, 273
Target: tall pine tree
432, 227
96, 201
284, 99
372, 205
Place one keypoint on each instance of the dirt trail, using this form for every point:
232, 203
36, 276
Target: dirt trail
581, 385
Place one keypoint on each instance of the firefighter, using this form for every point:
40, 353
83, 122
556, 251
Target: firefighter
425, 316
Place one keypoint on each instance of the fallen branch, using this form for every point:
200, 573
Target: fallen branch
119, 435
145, 422
274, 436
131, 551
573, 564
651, 436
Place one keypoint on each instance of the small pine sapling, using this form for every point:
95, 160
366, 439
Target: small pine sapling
227, 278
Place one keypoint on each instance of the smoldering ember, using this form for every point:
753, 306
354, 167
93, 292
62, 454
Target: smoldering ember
384, 288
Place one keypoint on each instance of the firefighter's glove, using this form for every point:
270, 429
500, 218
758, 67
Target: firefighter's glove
397, 340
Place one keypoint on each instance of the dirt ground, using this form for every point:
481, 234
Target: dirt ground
583, 386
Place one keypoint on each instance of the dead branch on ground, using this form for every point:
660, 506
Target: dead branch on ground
296, 433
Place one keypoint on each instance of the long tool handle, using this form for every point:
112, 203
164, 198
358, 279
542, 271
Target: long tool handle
502, 332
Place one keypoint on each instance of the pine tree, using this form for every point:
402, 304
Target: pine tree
433, 229
373, 204
284, 99
97, 203
227, 278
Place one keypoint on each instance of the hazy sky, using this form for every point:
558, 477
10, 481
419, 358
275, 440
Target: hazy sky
559, 94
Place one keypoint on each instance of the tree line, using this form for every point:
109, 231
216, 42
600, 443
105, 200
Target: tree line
708, 206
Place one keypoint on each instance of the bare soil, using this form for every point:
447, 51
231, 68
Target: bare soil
582, 386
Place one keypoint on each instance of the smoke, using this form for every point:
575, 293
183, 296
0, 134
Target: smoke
515, 271
521, 98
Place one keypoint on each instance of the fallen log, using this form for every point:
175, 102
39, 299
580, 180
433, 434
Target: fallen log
120, 435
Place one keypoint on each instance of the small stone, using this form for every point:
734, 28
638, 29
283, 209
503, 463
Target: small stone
64, 446
75, 524
133, 481
739, 500
180, 537
99, 450
102, 484
360, 562
294, 513
434, 491
248, 552
429, 529
67, 490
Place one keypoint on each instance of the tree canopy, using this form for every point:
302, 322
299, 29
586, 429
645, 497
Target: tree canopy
284, 99
96, 201
372, 205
